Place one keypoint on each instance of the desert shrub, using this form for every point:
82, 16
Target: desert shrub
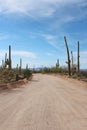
83, 73
27, 73
45, 70
75, 76
7, 76
61, 70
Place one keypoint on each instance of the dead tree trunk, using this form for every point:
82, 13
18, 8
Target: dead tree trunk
72, 58
69, 68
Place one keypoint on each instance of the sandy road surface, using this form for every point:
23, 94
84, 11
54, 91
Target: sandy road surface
47, 103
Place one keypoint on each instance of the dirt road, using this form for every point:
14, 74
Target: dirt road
46, 103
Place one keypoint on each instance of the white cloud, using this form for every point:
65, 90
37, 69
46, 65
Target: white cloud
27, 7
2, 54
3, 37
27, 57
48, 36
39, 8
25, 54
52, 40
49, 54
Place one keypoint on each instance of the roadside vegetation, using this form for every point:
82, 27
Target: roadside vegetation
11, 75
63, 71
71, 70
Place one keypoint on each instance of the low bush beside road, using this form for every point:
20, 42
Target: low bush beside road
13, 78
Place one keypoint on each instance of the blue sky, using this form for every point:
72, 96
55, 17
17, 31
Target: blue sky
36, 30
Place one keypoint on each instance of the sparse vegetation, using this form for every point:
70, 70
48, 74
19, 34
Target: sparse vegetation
27, 73
9, 74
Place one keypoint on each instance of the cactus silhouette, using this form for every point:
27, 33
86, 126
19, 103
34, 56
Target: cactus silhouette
8, 61
57, 64
20, 68
78, 58
69, 68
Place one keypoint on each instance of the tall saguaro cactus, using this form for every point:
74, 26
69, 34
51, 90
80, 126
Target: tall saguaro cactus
20, 66
3, 64
26, 66
5, 60
69, 68
9, 57
8, 61
78, 58
20, 63
57, 64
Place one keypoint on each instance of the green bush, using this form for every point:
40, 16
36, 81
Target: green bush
7, 76
45, 70
27, 73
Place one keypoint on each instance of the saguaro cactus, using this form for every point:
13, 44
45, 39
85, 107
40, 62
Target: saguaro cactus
5, 60
17, 67
20, 66
9, 57
73, 65
3, 64
57, 64
69, 68
8, 61
20, 63
78, 58
26, 66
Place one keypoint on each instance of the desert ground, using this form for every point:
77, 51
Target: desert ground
45, 103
